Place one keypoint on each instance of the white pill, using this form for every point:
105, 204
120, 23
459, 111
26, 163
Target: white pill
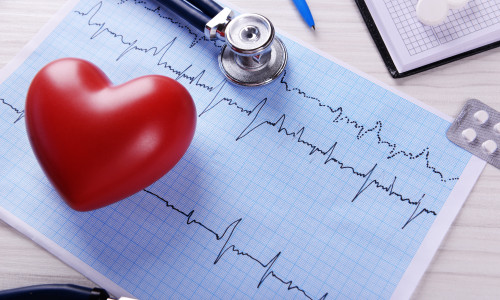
481, 116
432, 12
497, 128
457, 4
489, 146
469, 135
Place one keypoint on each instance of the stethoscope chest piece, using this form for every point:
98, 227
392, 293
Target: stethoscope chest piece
253, 55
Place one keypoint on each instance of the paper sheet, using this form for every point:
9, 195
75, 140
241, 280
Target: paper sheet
322, 184
413, 44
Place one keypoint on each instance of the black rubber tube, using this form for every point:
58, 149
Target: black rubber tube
184, 10
209, 7
54, 292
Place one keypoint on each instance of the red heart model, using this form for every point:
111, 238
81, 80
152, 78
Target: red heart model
99, 143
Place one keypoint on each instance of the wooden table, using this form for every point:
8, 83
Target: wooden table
467, 265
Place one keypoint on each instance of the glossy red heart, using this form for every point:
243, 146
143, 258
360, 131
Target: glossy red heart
99, 143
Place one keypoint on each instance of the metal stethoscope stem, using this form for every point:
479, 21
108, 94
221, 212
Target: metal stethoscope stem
252, 55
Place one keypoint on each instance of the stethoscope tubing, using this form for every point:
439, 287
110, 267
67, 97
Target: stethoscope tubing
197, 12
54, 292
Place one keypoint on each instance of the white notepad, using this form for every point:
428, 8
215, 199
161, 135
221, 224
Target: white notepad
412, 44
323, 184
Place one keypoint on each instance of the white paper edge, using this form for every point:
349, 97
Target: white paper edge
17, 223
433, 239
413, 273
63, 254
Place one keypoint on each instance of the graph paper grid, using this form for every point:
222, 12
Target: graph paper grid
322, 184
475, 16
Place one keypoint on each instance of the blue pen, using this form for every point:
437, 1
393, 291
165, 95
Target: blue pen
305, 12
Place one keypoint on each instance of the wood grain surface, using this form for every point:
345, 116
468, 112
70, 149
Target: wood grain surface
467, 265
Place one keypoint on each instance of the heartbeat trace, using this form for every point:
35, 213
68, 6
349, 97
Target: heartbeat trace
328, 154
19, 112
197, 79
163, 50
230, 229
377, 129
225, 237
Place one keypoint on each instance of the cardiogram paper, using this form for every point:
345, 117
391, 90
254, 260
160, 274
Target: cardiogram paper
320, 185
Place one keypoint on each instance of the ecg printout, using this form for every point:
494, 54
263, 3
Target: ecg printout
320, 185
415, 44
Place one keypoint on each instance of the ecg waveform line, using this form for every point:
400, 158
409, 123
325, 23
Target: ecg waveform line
19, 112
160, 51
197, 79
227, 247
339, 115
314, 149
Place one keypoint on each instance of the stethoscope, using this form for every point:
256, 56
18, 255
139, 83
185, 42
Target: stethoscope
252, 54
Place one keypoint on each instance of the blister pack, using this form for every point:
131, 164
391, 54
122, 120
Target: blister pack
477, 130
